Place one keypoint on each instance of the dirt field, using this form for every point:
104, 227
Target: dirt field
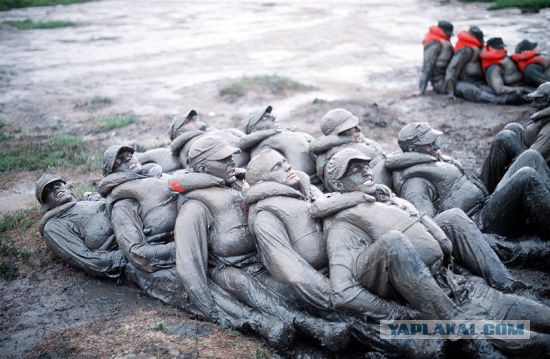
155, 59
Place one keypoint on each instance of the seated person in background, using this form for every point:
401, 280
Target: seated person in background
340, 130
187, 128
501, 73
534, 66
437, 54
464, 75
78, 230
263, 132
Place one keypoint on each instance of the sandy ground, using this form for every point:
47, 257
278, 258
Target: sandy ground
156, 59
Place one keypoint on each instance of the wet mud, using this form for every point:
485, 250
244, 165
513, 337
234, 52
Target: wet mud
156, 59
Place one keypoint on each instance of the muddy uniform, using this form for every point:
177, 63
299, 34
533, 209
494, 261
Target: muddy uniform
464, 75
379, 254
164, 157
80, 233
294, 146
534, 66
501, 72
437, 54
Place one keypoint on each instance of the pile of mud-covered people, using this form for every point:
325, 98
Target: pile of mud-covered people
478, 71
275, 232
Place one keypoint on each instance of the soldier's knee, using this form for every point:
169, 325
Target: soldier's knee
395, 240
505, 138
451, 216
516, 128
530, 158
526, 175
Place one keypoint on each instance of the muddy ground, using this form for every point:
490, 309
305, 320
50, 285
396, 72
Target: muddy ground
155, 59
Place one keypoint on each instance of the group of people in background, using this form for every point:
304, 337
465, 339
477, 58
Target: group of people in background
480, 71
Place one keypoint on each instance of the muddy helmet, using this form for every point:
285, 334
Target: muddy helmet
255, 117
110, 155
416, 134
542, 91
338, 164
525, 45
211, 148
446, 26
42, 182
476, 32
176, 126
337, 121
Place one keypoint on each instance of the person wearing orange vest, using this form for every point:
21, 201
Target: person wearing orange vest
437, 54
464, 75
534, 66
501, 73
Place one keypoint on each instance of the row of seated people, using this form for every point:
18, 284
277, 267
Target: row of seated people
478, 71
374, 237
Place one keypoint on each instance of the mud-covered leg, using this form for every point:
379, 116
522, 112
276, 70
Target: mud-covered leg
472, 251
534, 75
392, 261
479, 93
504, 148
250, 291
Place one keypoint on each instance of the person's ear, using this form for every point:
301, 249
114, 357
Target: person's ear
411, 148
200, 169
336, 185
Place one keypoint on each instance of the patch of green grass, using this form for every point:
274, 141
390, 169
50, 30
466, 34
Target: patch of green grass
158, 326
28, 24
62, 150
3, 136
116, 121
273, 84
96, 101
15, 228
13, 4
260, 353
524, 5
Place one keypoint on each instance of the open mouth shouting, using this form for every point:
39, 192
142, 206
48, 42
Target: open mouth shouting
369, 181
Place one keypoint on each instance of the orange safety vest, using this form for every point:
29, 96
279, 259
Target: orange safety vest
525, 58
490, 56
466, 40
435, 33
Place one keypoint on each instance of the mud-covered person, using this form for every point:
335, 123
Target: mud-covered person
434, 182
341, 130
263, 132
534, 65
501, 72
78, 230
213, 241
438, 51
185, 129
382, 251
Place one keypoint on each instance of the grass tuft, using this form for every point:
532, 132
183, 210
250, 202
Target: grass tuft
31, 25
116, 121
524, 5
63, 151
14, 4
3, 135
96, 101
274, 84
16, 230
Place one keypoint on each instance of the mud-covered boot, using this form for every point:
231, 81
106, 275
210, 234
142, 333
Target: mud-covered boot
330, 335
278, 333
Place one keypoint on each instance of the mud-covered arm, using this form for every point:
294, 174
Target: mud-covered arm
64, 242
282, 261
495, 78
430, 57
421, 193
455, 68
191, 236
344, 251
328, 205
128, 228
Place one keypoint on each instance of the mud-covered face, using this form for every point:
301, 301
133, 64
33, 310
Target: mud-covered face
267, 122
279, 170
57, 193
358, 177
126, 161
195, 124
541, 102
432, 149
224, 168
354, 133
